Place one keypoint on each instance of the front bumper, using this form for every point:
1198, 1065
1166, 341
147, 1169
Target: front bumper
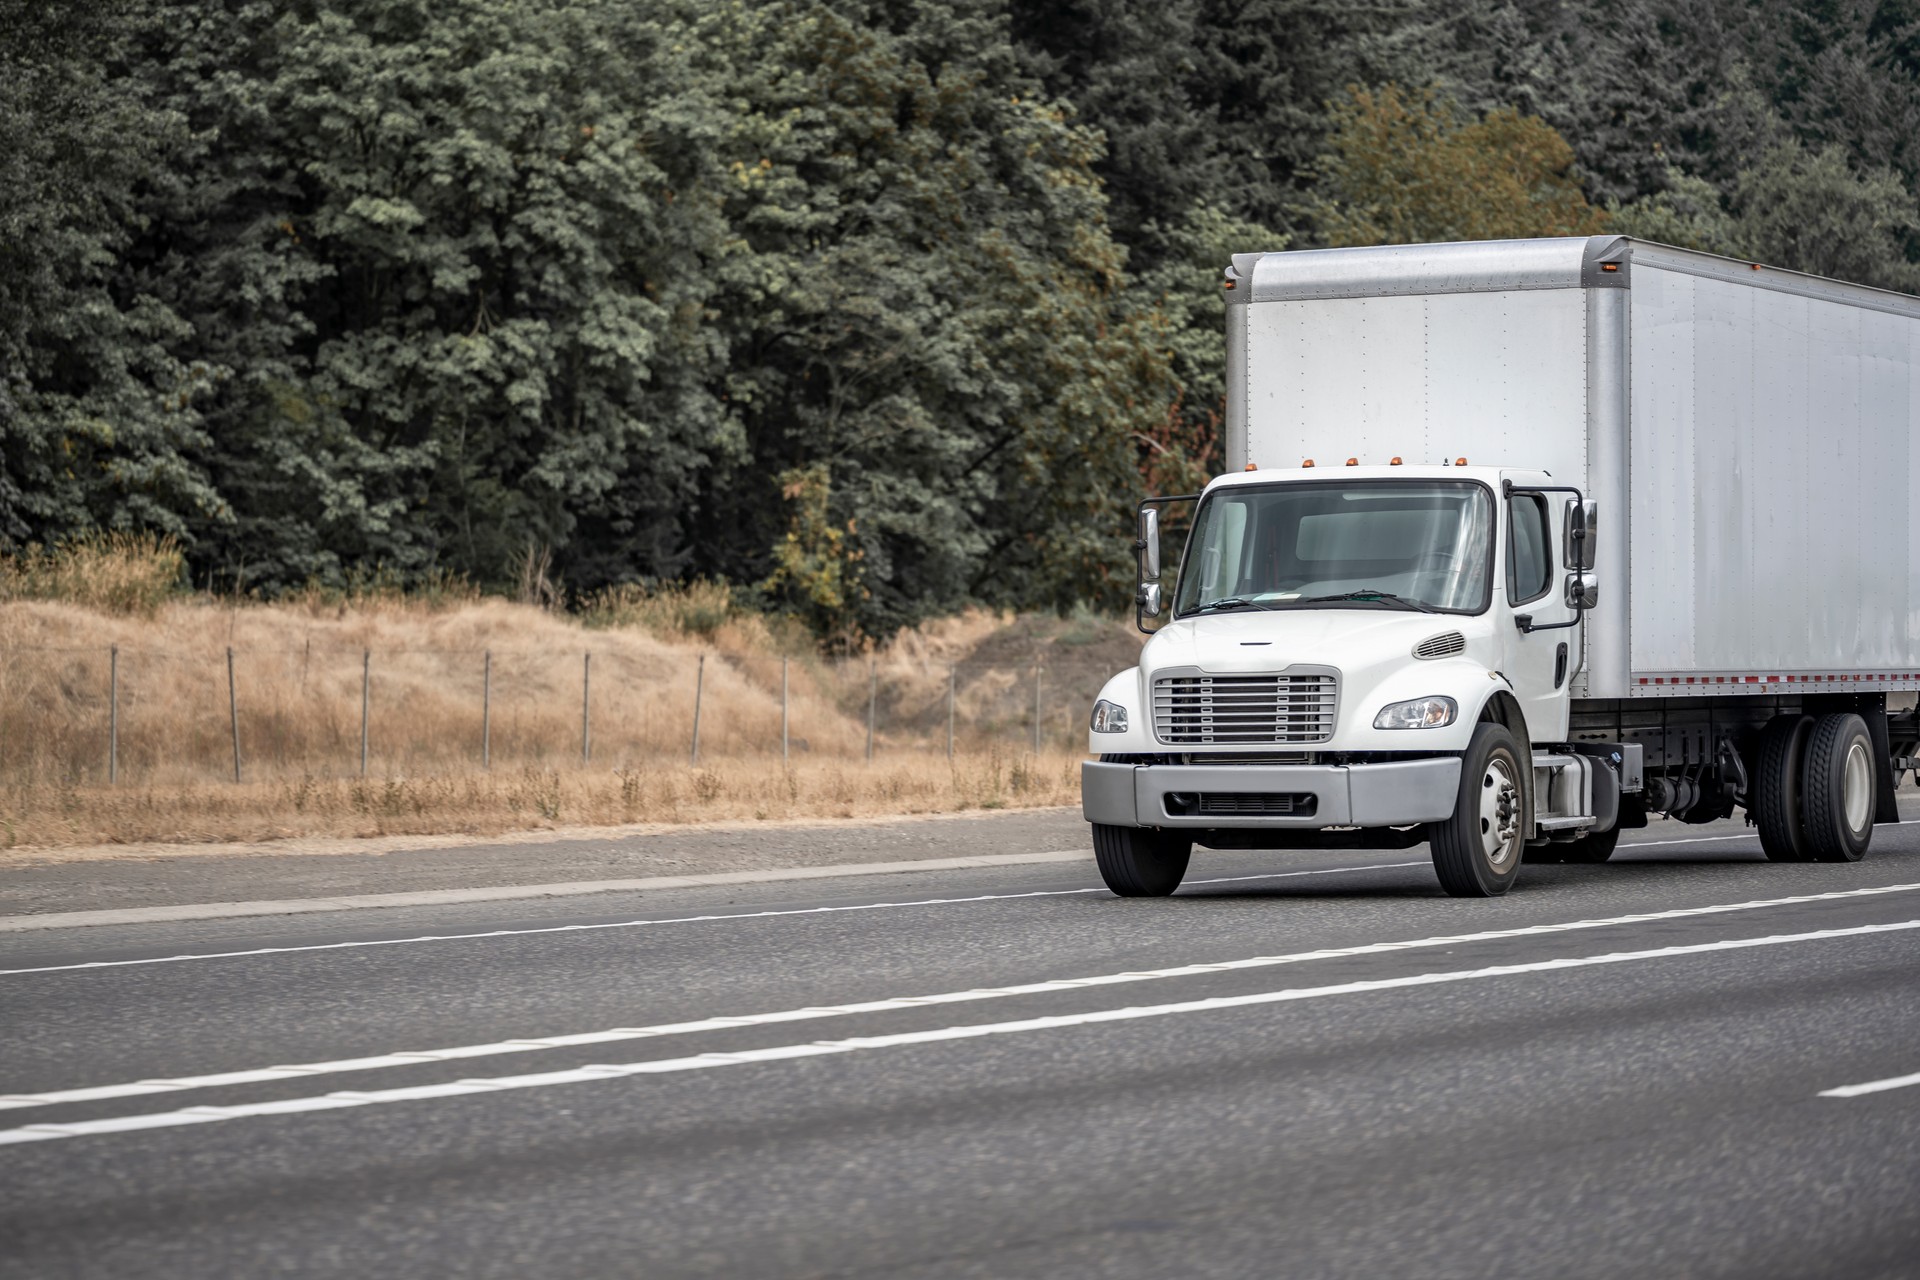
1393, 794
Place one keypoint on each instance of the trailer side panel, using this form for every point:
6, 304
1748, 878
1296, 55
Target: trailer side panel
1771, 460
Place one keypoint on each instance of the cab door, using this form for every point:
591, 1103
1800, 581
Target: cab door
1539, 663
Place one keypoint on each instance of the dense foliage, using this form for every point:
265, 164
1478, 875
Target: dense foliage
869, 306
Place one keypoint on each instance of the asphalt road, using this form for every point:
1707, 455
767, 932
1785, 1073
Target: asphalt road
1302, 1065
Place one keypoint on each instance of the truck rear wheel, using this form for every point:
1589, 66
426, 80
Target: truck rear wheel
1775, 805
1140, 863
1476, 852
1837, 786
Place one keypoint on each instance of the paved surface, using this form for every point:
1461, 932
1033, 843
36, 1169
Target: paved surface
1302, 1065
205, 874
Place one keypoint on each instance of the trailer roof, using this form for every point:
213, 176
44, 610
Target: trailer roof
1493, 266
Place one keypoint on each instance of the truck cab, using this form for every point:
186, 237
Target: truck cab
1342, 641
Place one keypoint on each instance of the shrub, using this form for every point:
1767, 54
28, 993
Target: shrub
111, 572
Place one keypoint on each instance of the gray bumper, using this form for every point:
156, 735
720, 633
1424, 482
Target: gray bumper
1394, 794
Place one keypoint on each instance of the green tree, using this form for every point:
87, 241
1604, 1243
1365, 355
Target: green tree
926, 301
99, 413
1811, 211
457, 255
1687, 212
1408, 167
1182, 451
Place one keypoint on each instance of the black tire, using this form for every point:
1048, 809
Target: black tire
1477, 852
1838, 787
1140, 863
1775, 804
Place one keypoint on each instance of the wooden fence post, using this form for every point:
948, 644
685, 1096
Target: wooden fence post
785, 756
486, 711
586, 712
233, 714
1036, 708
366, 703
113, 715
699, 684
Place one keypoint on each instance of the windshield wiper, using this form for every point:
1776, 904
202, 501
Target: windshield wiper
1231, 602
1385, 597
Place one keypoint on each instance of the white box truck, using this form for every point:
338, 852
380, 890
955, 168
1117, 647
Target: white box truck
1521, 543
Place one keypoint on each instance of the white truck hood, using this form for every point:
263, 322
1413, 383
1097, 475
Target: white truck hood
1371, 649
1251, 640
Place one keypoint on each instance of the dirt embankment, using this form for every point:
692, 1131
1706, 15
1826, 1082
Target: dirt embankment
484, 716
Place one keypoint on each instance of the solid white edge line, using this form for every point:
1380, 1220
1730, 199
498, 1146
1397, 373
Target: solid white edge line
413, 1057
822, 1048
505, 893
578, 888
640, 924
1871, 1086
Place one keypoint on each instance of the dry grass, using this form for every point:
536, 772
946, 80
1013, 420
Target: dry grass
297, 678
529, 797
108, 572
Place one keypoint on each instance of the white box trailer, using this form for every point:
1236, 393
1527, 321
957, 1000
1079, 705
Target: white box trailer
1719, 454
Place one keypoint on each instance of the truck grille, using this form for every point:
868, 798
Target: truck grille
1241, 804
1244, 709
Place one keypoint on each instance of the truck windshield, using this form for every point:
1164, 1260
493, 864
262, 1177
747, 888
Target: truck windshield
1423, 545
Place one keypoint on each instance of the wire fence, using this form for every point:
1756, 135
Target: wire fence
122, 715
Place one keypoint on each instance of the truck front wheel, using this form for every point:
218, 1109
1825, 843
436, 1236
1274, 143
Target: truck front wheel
1140, 863
1476, 852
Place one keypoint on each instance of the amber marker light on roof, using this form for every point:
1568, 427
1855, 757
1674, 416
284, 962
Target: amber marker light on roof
1252, 466
1459, 462
1353, 462
1394, 463
1307, 463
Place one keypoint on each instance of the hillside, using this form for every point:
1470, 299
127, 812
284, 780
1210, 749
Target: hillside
474, 718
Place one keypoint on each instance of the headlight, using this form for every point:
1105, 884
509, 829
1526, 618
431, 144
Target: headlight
1109, 717
1421, 713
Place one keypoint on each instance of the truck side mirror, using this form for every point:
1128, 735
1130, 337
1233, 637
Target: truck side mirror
1149, 544
1149, 600
1583, 592
1580, 535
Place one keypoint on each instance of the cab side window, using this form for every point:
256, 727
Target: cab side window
1529, 549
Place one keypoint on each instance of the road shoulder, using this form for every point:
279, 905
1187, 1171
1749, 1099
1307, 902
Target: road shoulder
499, 869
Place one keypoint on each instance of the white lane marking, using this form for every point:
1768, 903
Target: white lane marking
511, 892
822, 1048
757, 915
1735, 835
1731, 835
642, 924
1871, 1086
752, 915
405, 1058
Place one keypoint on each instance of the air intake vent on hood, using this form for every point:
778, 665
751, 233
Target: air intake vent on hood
1444, 645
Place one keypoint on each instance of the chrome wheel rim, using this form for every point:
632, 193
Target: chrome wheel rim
1499, 815
1857, 787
